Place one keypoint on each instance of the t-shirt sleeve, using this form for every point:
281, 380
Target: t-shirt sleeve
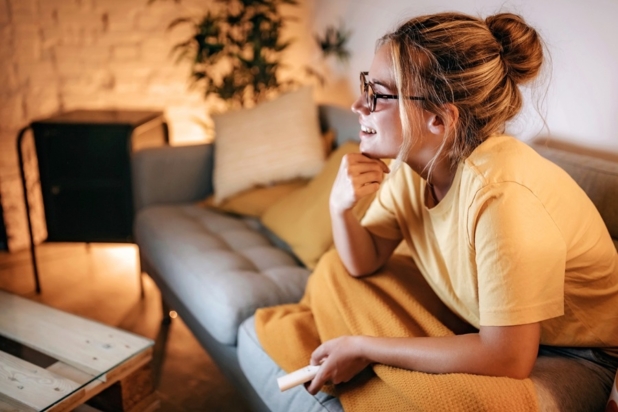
381, 217
520, 257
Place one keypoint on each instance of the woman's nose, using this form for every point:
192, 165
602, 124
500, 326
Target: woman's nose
359, 106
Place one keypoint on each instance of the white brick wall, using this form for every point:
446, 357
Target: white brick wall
67, 54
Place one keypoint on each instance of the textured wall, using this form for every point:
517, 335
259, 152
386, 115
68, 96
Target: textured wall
68, 54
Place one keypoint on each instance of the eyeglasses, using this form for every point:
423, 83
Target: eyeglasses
366, 89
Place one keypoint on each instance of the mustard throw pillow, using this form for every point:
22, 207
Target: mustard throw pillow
302, 218
254, 202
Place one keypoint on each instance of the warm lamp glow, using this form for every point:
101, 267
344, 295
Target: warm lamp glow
120, 253
188, 125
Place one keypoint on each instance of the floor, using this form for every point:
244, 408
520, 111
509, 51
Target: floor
100, 282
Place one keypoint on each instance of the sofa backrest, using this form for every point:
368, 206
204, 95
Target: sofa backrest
341, 120
597, 177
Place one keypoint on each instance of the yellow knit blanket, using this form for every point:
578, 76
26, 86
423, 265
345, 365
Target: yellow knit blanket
395, 302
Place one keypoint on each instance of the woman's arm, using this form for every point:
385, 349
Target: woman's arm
494, 351
361, 252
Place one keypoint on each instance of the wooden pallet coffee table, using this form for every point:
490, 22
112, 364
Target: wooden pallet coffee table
55, 361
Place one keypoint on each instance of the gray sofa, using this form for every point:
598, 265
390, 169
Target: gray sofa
215, 270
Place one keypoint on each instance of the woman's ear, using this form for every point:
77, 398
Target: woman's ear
439, 123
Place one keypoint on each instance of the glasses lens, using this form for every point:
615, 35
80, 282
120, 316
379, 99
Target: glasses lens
370, 96
366, 89
363, 83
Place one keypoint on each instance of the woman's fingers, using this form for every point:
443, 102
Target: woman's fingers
357, 163
362, 166
318, 357
358, 176
361, 174
368, 177
383, 165
320, 380
340, 359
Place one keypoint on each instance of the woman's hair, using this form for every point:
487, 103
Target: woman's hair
474, 64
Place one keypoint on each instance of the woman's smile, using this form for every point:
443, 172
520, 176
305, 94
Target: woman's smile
367, 130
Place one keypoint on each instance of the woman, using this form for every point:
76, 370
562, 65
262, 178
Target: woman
488, 221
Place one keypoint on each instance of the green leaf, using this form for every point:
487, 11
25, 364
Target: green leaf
233, 20
181, 56
178, 21
310, 72
181, 46
282, 46
334, 42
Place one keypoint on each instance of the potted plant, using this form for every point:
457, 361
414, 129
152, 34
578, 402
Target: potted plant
236, 50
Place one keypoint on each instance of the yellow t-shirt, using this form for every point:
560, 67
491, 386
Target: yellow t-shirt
514, 241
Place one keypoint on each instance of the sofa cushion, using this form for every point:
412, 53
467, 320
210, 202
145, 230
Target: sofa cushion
275, 141
262, 372
220, 267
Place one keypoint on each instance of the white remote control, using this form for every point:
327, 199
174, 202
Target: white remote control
297, 377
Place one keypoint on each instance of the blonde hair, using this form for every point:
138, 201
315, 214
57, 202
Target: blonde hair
474, 64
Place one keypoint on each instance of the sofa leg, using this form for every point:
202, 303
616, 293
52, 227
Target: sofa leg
140, 275
158, 356
142, 292
165, 309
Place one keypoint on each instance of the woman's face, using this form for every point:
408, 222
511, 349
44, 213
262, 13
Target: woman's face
381, 134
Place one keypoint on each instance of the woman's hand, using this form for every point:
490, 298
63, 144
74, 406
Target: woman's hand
341, 360
358, 176
361, 252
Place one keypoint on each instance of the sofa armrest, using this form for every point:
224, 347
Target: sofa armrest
172, 175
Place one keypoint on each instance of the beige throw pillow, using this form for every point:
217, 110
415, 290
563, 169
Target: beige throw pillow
275, 141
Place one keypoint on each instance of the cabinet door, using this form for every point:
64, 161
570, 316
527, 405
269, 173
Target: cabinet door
86, 182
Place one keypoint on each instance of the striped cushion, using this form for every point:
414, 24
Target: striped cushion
273, 142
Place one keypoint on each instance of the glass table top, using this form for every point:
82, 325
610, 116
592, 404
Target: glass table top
48, 356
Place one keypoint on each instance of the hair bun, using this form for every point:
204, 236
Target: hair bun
522, 50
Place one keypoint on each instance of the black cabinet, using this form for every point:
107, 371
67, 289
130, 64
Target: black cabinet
85, 170
84, 159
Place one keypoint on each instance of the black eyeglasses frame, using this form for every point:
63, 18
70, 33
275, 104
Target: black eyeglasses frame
372, 101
